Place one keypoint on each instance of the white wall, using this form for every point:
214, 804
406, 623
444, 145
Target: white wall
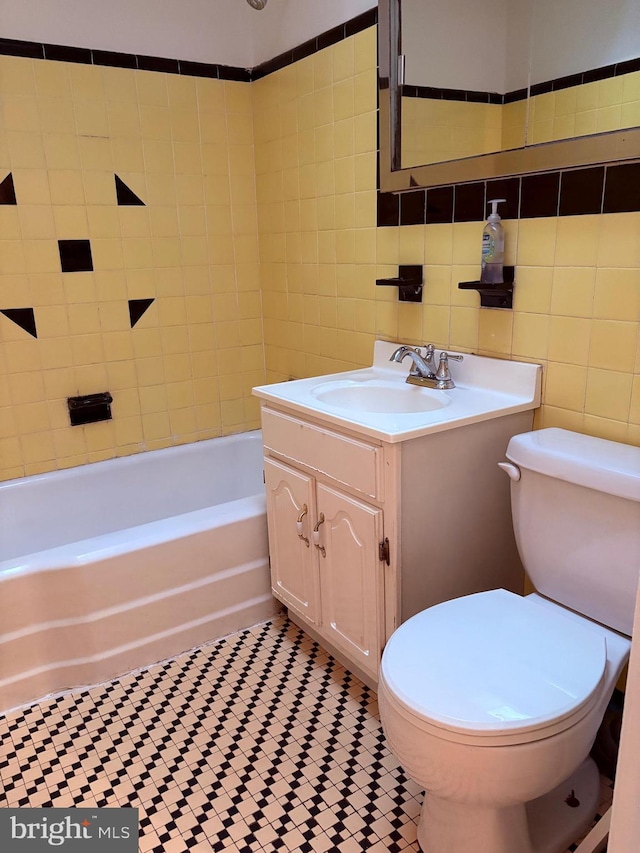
229, 32
570, 36
455, 44
287, 23
463, 44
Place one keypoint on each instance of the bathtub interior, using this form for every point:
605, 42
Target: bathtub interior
50, 510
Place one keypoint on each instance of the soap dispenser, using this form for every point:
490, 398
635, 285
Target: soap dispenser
493, 246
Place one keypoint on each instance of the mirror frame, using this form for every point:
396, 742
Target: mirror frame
599, 148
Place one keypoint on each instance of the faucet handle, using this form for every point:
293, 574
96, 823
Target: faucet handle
443, 374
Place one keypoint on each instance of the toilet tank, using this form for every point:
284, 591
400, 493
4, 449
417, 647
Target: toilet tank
576, 516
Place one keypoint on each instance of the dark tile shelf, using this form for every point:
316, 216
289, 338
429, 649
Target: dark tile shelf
409, 283
493, 295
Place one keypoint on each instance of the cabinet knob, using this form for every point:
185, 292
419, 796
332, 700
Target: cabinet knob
305, 539
316, 535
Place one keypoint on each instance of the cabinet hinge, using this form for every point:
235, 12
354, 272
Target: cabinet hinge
383, 552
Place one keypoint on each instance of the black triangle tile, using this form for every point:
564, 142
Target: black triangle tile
137, 307
23, 317
125, 195
7, 191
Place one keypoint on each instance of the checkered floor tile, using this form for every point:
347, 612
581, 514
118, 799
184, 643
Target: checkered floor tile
259, 742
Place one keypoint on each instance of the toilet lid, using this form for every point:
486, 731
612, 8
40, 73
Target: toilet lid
493, 663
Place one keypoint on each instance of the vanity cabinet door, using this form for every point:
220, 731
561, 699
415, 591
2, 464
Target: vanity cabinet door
351, 575
290, 514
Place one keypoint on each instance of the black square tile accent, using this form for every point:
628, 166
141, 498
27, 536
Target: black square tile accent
156, 63
516, 95
567, 82
541, 88
332, 36
469, 202
581, 191
454, 94
198, 69
413, 207
388, 210
75, 255
64, 53
478, 97
361, 22
7, 191
230, 72
17, 47
508, 189
628, 67
599, 74
307, 48
539, 195
622, 188
440, 205
114, 59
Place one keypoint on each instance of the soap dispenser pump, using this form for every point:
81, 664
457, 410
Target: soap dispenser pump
493, 246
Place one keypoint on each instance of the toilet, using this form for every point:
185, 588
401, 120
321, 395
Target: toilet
491, 702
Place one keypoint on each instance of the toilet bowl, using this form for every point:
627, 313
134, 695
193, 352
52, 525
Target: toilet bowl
510, 699
491, 702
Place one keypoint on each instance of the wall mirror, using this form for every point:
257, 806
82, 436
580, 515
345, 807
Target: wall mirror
468, 93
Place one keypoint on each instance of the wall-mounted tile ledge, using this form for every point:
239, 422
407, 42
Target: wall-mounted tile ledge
88, 56
496, 295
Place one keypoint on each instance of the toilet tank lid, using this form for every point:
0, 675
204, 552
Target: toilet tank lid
607, 466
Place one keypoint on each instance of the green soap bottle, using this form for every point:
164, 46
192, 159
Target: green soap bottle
493, 247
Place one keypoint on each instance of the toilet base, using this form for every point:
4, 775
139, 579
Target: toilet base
545, 825
554, 824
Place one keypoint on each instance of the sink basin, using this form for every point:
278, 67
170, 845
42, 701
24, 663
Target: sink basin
377, 402
378, 395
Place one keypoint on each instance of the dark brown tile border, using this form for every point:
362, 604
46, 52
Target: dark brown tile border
87, 56
612, 189
581, 191
622, 188
469, 202
413, 207
572, 192
555, 85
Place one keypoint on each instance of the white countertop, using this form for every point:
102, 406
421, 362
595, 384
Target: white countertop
485, 388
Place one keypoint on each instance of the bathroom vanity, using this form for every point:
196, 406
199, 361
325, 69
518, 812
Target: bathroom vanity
384, 498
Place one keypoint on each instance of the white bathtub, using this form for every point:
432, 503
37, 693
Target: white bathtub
111, 566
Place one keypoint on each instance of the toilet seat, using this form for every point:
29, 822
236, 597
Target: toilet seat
495, 668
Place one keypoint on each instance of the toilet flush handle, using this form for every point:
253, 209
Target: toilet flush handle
512, 470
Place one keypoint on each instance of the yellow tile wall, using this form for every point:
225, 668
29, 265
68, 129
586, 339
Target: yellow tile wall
597, 107
577, 293
185, 371
259, 244
433, 130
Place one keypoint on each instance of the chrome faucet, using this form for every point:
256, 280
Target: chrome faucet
423, 369
422, 365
